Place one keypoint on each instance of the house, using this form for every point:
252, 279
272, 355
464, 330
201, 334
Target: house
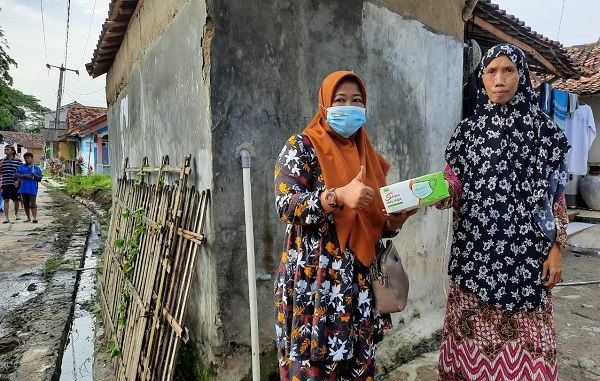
76, 145
203, 77
25, 142
586, 57
52, 130
93, 145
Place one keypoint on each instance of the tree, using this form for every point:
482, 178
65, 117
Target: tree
15, 107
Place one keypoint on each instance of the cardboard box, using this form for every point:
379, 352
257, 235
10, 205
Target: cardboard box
414, 193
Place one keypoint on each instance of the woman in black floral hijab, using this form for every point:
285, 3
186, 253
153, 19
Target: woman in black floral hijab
506, 169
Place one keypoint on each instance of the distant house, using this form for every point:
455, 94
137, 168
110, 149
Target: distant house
69, 141
53, 129
25, 142
93, 145
587, 57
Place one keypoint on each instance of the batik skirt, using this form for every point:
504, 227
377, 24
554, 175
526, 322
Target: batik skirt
482, 342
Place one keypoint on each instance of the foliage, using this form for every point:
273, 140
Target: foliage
190, 367
5, 60
112, 348
129, 251
52, 265
15, 107
90, 184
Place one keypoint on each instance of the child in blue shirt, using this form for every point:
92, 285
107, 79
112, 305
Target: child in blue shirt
29, 175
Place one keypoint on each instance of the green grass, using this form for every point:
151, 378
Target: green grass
88, 184
52, 265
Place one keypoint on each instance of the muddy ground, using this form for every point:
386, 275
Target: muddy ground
577, 316
37, 285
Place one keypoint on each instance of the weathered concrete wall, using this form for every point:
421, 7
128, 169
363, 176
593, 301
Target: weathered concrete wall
266, 61
163, 109
441, 16
594, 102
145, 28
264, 88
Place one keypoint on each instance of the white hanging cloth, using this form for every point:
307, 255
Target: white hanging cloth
580, 130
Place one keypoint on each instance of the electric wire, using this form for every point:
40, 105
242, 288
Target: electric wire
560, 21
44, 29
88, 35
67, 35
91, 92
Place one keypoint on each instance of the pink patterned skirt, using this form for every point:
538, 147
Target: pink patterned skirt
482, 342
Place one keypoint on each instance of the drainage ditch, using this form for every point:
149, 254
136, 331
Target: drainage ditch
78, 355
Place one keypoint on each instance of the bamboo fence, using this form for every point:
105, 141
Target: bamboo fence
155, 234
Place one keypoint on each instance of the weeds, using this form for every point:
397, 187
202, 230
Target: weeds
52, 265
88, 184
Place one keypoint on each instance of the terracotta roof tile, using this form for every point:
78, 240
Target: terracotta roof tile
78, 116
23, 138
551, 50
586, 57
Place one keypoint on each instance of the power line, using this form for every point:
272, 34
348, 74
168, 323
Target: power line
91, 92
44, 29
560, 21
88, 34
67, 36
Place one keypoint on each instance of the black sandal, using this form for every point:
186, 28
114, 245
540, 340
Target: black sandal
34, 221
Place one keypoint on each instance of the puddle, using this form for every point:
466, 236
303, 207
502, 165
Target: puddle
78, 356
17, 291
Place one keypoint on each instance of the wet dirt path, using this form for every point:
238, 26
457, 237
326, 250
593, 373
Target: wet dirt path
37, 285
577, 319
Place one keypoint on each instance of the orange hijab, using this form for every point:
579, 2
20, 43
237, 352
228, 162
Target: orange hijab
340, 160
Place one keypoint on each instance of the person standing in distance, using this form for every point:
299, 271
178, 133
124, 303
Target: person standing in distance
30, 175
8, 168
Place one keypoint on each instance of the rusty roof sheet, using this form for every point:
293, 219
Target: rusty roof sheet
586, 57
551, 50
24, 139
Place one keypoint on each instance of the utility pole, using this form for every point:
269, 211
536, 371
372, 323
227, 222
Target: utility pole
62, 69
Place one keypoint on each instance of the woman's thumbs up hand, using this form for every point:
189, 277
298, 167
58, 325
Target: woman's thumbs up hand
356, 194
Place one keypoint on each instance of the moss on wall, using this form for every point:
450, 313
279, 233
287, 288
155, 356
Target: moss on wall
190, 366
268, 367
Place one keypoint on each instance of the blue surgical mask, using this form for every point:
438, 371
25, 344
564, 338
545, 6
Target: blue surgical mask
346, 120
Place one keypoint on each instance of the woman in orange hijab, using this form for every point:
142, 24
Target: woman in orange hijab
327, 182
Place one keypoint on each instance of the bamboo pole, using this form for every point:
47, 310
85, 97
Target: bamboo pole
190, 271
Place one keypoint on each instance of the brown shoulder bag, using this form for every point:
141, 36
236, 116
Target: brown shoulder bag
390, 282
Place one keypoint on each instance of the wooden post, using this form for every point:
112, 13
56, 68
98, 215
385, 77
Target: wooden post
512, 40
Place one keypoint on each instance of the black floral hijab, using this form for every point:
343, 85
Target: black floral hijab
510, 160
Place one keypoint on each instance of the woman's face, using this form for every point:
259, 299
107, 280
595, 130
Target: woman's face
501, 79
348, 94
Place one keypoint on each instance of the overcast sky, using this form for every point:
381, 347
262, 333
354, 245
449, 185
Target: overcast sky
21, 21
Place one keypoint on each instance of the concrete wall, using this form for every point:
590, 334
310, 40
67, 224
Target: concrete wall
594, 102
264, 88
192, 78
159, 105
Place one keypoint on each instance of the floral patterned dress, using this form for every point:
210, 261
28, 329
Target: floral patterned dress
325, 321
484, 342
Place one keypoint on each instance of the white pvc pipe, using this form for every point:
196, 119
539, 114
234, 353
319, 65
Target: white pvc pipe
245, 156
